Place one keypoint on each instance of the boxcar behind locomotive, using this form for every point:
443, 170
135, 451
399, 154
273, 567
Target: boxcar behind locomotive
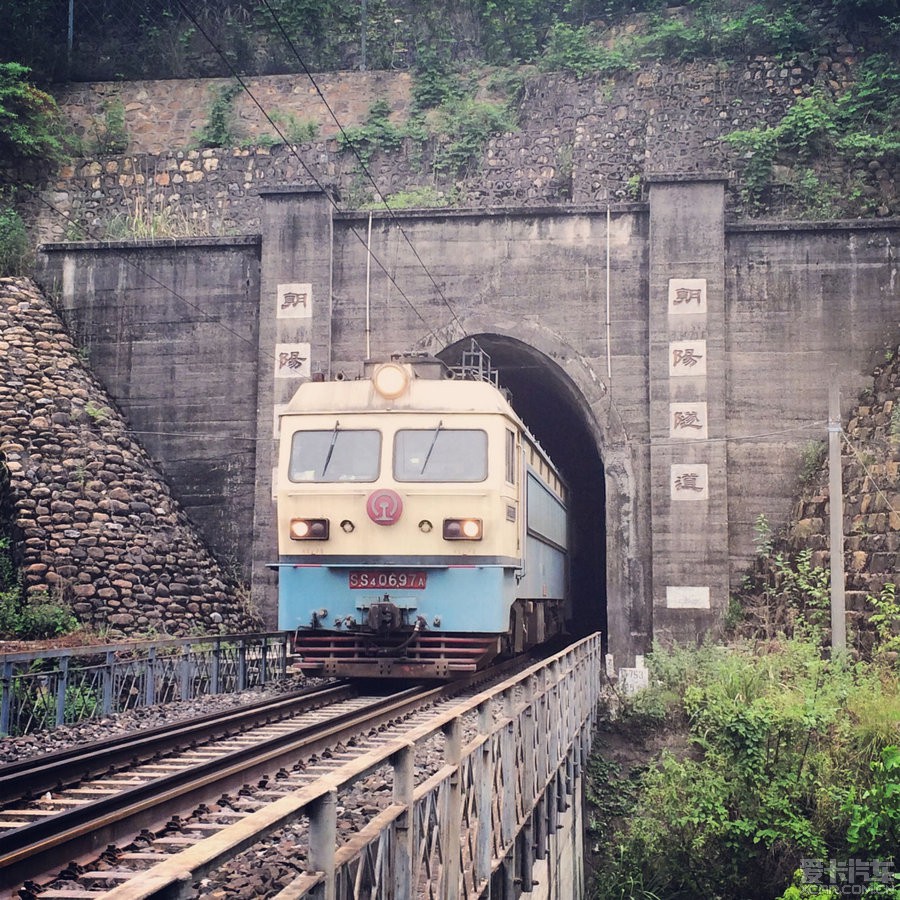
421, 530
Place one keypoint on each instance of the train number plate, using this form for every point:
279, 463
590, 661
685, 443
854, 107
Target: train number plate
381, 580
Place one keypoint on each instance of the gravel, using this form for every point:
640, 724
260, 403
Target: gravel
14, 749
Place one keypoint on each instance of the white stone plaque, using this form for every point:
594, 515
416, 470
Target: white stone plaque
687, 296
689, 482
294, 301
687, 597
292, 360
688, 421
687, 358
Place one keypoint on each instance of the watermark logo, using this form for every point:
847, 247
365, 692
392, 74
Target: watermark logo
845, 877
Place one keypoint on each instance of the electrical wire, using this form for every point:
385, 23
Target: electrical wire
240, 80
868, 472
360, 160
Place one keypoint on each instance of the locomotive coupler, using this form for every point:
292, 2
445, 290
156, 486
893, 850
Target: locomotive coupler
384, 615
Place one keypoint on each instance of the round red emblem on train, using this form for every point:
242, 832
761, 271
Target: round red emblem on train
384, 507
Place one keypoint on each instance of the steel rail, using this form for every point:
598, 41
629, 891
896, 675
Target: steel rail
37, 848
30, 777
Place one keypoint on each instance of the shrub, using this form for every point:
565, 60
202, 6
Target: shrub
218, 130
35, 618
773, 775
29, 118
575, 50
112, 135
464, 127
378, 133
14, 247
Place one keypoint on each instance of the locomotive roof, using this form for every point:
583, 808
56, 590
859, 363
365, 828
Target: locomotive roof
422, 395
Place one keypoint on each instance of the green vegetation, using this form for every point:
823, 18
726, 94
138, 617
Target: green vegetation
863, 124
424, 196
219, 128
111, 133
14, 248
296, 130
788, 756
29, 119
37, 616
579, 51
453, 116
378, 133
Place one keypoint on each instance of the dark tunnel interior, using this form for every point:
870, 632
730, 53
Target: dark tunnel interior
542, 395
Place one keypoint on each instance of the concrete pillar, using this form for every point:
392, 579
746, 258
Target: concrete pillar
688, 405
294, 342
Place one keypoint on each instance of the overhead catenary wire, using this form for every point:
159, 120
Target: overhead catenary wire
360, 161
245, 87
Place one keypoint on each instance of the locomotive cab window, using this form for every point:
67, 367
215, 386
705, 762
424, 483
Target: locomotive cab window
510, 456
440, 454
335, 455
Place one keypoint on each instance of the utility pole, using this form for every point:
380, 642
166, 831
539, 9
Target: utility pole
363, 23
836, 516
70, 38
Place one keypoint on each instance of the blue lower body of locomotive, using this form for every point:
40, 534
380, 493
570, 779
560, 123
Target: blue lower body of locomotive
455, 599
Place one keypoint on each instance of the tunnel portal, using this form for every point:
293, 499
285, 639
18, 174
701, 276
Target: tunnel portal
545, 398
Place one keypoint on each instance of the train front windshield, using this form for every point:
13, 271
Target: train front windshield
440, 454
335, 455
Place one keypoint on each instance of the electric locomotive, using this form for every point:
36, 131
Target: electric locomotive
421, 530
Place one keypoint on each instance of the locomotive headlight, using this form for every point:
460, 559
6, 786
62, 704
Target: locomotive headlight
390, 380
462, 529
309, 529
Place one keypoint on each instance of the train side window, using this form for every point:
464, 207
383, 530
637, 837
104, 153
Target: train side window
335, 455
440, 454
510, 456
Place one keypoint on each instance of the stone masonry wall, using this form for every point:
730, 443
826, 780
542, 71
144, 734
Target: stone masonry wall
98, 525
580, 141
870, 462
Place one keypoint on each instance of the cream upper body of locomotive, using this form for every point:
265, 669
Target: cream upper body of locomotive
410, 403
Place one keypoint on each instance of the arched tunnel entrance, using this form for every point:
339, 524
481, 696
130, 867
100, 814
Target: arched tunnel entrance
546, 399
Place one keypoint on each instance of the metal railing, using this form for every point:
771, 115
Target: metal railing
475, 826
44, 688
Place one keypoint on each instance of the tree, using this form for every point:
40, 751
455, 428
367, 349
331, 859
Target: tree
29, 119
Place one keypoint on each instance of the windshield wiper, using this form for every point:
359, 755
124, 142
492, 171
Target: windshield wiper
334, 435
434, 438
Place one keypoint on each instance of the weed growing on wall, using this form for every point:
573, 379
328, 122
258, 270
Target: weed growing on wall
111, 133
457, 128
219, 129
577, 50
295, 129
862, 125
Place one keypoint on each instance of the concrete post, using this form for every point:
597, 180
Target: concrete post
688, 450
294, 342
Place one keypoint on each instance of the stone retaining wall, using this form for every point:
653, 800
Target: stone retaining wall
582, 141
870, 461
94, 523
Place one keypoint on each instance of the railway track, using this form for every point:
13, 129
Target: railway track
146, 797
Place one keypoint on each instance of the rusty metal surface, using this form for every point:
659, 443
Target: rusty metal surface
470, 825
